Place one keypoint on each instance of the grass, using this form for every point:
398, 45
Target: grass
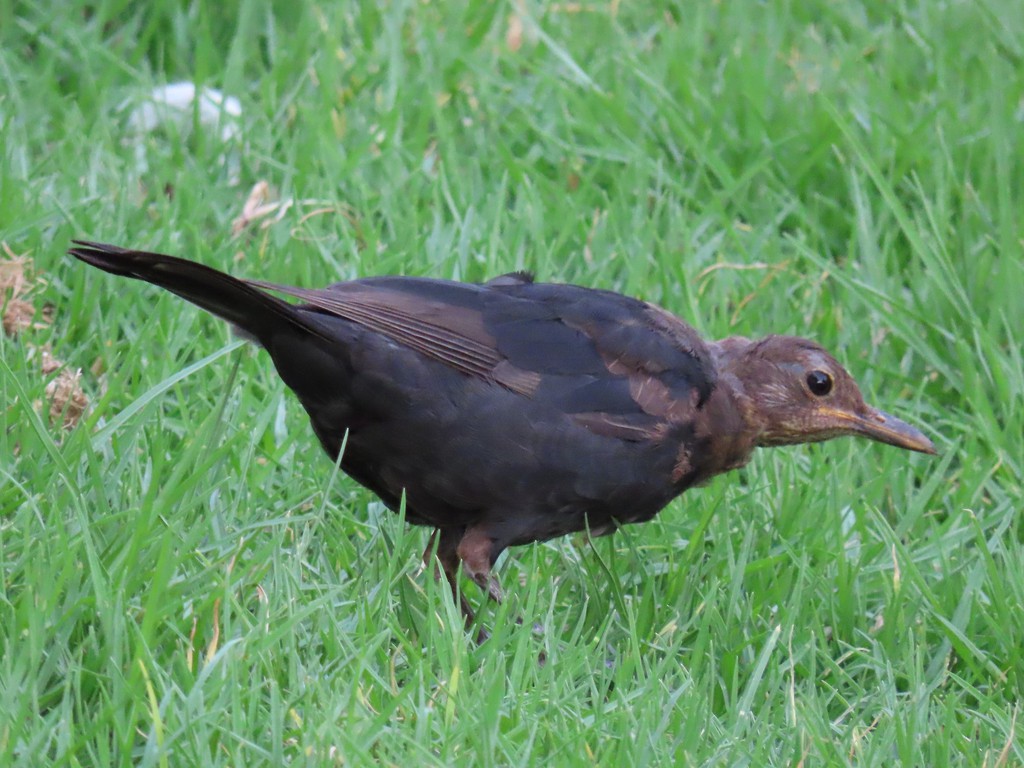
186, 582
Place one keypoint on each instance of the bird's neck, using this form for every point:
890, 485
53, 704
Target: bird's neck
722, 426
732, 363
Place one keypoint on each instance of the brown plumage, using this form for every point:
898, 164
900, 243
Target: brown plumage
515, 411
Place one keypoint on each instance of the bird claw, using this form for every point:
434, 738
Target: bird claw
473, 549
493, 588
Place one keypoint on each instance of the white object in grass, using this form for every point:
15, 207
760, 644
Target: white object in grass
183, 105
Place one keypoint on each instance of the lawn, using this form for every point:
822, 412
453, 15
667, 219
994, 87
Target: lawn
186, 580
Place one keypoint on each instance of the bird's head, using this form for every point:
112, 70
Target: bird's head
793, 391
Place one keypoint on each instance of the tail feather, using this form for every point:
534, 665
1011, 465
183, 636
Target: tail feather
256, 313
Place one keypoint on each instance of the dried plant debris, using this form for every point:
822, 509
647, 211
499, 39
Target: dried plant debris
18, 315
14, 271
66, 397
263, 208
64, 392
66, 401
16, 282
258, 205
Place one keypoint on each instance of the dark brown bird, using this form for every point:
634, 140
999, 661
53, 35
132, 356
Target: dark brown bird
515, 411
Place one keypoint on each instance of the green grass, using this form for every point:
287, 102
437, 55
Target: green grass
185, 581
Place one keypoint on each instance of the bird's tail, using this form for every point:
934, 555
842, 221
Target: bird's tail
254, 312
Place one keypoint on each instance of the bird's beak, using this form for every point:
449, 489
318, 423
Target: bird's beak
881, 426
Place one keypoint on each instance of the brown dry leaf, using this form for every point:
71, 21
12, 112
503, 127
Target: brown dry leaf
18, 315
16, 281
14, 272
64, 394
67, 400
257, 206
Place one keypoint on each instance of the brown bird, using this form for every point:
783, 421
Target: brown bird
515, 411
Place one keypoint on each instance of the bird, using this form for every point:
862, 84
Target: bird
515, 411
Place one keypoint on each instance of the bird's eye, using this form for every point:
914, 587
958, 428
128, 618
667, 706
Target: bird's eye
819, 382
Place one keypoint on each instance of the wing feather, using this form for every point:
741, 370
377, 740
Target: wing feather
617, 366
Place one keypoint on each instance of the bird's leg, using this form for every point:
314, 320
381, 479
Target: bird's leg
448, 563
477, 551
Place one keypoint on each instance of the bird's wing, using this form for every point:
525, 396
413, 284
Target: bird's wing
618, 366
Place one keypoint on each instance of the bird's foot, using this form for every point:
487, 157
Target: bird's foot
476, 551
493, 588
